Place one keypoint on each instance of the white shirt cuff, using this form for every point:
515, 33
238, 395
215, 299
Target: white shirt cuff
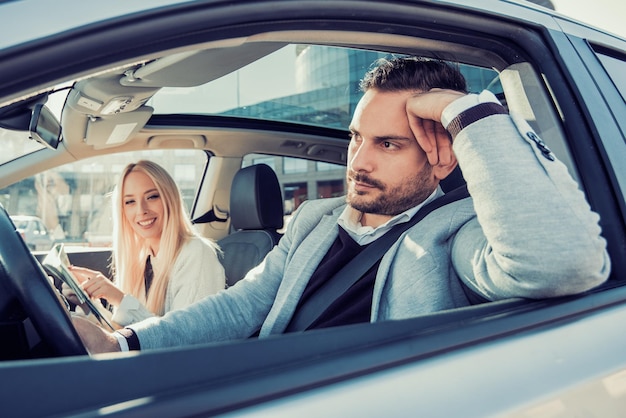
461, 104
121, 340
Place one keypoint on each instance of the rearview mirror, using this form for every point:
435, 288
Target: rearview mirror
44, 127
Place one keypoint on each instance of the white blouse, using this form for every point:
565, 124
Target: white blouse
197, 272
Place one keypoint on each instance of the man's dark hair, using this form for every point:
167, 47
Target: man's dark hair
412, 73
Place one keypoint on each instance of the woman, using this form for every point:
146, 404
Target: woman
160, 264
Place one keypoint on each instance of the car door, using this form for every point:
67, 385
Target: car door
595, 66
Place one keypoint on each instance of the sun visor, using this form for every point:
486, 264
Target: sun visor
117, 129
104, 96
189, 69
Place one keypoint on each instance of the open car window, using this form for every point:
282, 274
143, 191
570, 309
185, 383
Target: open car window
207, 89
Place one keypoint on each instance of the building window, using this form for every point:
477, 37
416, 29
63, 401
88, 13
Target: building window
256, 159
295, 194
322, 166
294, 165
184, 152
330, 188
184, 173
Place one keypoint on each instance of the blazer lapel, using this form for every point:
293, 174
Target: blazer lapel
299, 270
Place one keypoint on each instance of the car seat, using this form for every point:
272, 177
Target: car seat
256, 213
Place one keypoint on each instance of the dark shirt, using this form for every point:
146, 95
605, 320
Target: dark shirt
148, 275
355, 304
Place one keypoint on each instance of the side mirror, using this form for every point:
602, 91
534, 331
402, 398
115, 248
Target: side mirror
44, 127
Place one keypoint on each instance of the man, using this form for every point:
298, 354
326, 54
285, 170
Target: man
526, 232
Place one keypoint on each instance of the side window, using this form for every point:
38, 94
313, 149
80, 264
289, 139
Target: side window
616, 68
302, 179
73, 202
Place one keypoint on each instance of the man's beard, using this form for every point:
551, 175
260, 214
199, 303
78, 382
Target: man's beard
393, 201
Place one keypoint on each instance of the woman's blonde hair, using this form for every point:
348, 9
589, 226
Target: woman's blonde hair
130, 250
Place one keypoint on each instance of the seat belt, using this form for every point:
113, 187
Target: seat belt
359, 265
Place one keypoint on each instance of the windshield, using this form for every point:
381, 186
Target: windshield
18, 143
15, 144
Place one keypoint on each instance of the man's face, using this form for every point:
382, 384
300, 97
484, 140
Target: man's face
388, 172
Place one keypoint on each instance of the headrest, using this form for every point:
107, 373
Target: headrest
256, 201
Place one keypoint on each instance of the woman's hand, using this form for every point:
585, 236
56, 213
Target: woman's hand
97, 285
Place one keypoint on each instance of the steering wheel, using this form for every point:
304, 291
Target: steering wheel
23, 276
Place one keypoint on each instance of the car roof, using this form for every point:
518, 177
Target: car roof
49, 23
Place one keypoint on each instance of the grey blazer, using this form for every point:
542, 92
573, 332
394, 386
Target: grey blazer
527, 231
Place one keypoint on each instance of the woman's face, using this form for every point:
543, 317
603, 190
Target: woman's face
143, 207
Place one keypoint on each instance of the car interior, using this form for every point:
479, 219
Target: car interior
110, 110
182, 78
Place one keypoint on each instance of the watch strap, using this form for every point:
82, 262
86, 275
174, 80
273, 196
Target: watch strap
474, 114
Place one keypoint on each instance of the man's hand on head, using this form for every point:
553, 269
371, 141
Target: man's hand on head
96, 339
424, 113
431, 104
